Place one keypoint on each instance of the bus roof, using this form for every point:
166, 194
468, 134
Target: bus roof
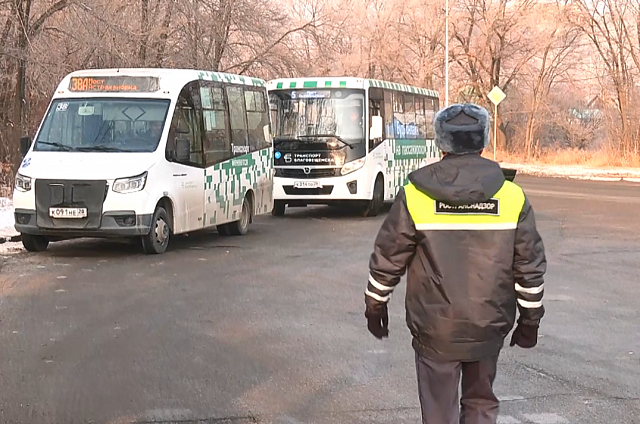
170, 81
345, 82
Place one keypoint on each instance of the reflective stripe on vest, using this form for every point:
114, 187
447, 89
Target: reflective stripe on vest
501, 212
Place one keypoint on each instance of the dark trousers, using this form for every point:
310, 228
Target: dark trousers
438, 390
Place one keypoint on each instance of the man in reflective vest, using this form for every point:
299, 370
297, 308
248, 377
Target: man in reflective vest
467, 240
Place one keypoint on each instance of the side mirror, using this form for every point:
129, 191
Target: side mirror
183, 149
267, 134
509, 174
25, 145
376, 127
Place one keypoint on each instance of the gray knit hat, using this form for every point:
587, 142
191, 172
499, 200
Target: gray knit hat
462, 129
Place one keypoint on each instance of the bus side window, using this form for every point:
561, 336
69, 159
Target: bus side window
420, 116
388, 115
430, 109
257, 118
185, 124
398, 115
375, 109
411, 129
238, 120
217, 137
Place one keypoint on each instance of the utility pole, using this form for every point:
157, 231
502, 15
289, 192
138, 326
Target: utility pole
446, 60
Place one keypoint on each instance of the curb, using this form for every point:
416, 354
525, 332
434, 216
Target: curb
601, 178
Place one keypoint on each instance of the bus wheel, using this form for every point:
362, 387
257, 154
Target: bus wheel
278, 208
241, 226
35, 243
157, 240
375, 205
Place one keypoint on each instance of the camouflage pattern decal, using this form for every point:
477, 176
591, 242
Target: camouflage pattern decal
405, 156
345, 82
403, 87
226, 184
231, 78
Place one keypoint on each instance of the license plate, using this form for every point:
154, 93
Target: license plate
68, 212
307, 184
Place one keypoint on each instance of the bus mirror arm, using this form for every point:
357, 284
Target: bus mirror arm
375, 131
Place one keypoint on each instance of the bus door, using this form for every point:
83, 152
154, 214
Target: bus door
184, 151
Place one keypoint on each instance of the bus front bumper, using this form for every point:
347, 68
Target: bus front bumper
112, 224
348, 187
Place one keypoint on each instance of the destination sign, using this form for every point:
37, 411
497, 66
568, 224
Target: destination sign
114, 84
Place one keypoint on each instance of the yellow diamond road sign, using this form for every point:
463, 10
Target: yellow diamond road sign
496, 95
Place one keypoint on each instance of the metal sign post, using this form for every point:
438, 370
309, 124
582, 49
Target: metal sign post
496, 96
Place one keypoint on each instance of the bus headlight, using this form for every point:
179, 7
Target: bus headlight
23, 183
131, 184
352, 166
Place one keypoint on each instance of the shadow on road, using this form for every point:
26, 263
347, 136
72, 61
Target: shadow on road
115, 248
328, 212
202, 239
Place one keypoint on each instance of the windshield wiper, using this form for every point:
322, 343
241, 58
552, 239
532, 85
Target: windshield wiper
281, 139
337, 137
61, 146
101, 148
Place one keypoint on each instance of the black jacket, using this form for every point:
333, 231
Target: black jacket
462, 285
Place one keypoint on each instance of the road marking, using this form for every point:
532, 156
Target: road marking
168, 414
507, 398
546, 418
508, 419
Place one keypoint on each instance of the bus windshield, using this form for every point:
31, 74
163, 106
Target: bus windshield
306, 115
103, 125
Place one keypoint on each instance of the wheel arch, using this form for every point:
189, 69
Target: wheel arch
379, 174
250, 195
166, 203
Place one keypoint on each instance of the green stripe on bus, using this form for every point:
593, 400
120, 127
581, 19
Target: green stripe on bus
327, 83
343, 83
292, 84
279, 85
310, 84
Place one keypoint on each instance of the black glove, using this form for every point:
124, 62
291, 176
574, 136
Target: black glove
526, 334
378, 318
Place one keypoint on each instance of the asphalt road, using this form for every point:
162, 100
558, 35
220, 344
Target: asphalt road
269, 327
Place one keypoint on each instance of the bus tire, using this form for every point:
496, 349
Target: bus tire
374, 206
157, 241
279, 207
241, 226
34, 243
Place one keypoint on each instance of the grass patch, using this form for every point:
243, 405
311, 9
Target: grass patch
604, 158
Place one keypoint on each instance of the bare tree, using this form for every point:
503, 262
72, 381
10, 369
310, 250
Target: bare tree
609, 25
557, 44
491, 47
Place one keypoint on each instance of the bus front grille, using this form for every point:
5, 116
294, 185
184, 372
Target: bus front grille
292, 191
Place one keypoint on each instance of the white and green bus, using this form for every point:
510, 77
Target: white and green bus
146, 153
345, 140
